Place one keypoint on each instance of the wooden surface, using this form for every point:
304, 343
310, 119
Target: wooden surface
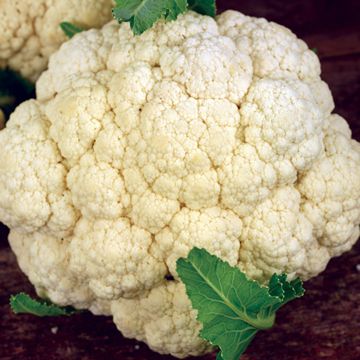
325, 324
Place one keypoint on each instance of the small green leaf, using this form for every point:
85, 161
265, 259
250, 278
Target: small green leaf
143, 14
315, 50
231, 307
70, 29
14, 89
23, 304
204, 7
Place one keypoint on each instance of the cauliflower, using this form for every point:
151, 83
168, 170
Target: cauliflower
30, 32
200, 132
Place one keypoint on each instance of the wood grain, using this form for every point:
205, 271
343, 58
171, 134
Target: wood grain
323, 325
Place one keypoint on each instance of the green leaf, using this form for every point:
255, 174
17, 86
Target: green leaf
174, 9
204, 7
287, 291
23, 304
231, 307
70, 29
142, 14
14, 89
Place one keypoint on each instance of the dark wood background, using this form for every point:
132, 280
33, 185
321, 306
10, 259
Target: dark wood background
325, 324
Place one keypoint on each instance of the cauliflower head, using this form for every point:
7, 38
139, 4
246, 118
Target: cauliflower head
215, 133
30, 32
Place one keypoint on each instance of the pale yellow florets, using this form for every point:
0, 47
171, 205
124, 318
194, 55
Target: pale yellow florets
30, 29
